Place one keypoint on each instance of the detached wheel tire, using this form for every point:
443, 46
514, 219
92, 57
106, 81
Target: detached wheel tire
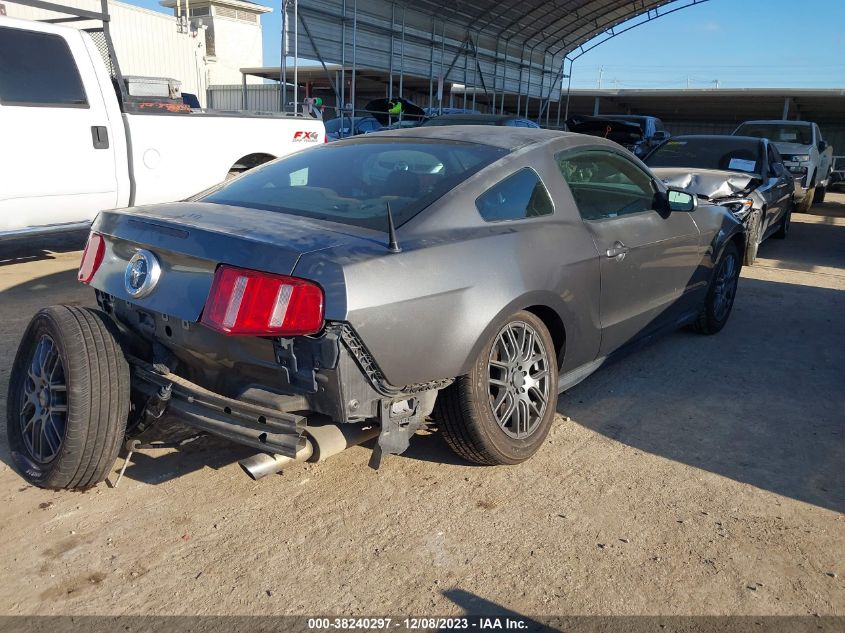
721, 292
68, 399
501, 412
755, 226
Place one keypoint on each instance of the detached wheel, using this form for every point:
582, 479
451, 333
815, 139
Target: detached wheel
68, 399
501, 411
721, 292
754, 230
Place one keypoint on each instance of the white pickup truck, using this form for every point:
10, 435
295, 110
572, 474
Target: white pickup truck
72, 144
805, 153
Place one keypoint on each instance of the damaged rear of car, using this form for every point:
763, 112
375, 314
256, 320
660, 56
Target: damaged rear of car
743, 174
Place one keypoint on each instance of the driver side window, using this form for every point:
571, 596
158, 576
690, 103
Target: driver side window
606, 185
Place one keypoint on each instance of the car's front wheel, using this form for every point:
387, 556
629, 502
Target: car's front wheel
753, 231
721, 292
502, 410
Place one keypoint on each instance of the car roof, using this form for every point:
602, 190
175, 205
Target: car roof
718, 137
504, 137
777, 122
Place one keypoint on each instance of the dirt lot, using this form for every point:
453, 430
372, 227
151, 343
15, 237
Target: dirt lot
696, 476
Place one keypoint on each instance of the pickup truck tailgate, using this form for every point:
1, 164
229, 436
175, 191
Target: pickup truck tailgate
190, 240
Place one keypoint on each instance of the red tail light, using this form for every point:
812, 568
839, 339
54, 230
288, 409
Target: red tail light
249, 302
92, 257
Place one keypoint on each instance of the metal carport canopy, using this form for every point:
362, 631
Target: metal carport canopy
497, 47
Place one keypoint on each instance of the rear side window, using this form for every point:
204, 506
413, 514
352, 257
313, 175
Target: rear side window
606, 185
519, 196
37, 69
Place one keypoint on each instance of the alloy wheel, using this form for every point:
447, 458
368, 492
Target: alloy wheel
43, 414
518, 379
725, 288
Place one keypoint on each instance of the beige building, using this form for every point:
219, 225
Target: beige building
207, 47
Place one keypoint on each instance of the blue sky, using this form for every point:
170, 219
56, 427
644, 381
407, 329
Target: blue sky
740, 43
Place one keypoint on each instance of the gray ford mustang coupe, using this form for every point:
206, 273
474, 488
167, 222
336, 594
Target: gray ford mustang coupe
448, 277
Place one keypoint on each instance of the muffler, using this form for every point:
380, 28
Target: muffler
321, 443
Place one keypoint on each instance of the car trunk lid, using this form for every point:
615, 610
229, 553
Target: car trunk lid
189, 241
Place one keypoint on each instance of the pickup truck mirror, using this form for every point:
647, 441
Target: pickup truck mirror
659, 136
822, 146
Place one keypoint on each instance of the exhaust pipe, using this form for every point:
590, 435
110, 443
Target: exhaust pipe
263, 464
322, 442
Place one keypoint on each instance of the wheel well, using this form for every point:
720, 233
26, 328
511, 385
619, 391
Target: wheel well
554, 325
739, 242
251, 160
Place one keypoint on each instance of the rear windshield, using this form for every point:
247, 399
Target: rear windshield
708, 153
353, 181
778, 132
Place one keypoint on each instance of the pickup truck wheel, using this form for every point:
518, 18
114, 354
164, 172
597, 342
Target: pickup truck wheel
721, 292
818, 196
68, 399
807, 202
753, 232
502, 410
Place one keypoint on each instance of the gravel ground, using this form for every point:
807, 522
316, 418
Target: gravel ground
696, 476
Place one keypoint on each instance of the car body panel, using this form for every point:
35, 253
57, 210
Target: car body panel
425, 312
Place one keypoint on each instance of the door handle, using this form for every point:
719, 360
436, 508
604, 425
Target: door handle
100, 136
618, 251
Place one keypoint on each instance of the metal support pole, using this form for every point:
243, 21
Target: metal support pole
786, 101
431, 69
243, 91
519, 89
442, 77
295, 56
342, 105
283, 76
402, 60
596, 102
466, 67
505, 76
354, 50
568, 91
390, 61
476, 72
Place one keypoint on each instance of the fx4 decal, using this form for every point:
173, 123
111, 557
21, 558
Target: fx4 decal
306, 137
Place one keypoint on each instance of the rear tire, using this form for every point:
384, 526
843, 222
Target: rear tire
721, 292
502, 410
819, 195
68, 399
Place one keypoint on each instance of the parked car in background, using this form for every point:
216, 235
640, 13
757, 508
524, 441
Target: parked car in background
506, 120
741, 173
475, 275
405, 124
805, 153
433, 112
636, 133
343, 127
73, 145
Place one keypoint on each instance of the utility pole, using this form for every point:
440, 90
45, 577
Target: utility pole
601, 74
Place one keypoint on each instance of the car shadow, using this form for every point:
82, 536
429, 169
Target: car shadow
40, 248
760, 403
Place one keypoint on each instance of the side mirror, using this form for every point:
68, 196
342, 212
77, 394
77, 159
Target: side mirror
678, 200
822, 146
660, 136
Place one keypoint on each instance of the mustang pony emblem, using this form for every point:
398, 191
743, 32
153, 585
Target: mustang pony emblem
142, 274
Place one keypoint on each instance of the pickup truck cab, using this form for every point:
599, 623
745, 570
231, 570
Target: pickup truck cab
805, 154
75, 143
